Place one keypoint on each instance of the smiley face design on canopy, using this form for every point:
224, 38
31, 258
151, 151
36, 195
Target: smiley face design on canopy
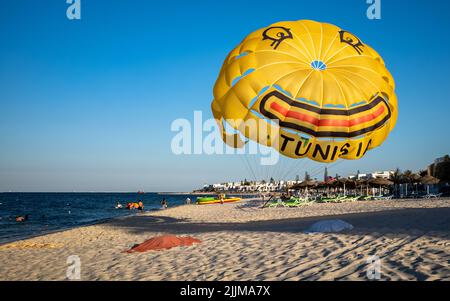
330, 95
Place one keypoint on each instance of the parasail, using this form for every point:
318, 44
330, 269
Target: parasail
324, 92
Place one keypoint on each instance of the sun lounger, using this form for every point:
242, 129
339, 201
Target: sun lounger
293, 202
298, 203
332, 200
339, 199
365, 198
432, 196
276, 203
383, 198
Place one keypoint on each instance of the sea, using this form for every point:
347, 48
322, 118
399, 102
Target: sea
51, 212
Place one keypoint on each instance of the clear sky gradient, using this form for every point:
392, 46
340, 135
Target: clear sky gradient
86, 105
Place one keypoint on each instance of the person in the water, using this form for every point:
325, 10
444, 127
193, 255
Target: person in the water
22, 218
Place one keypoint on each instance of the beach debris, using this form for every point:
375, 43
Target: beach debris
329, 226
31, 245
163, 242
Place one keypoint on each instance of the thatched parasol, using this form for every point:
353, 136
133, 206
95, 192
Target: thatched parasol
380, 182
362, 183
345, 183
304, 184
326, 184
415, 178
429, 180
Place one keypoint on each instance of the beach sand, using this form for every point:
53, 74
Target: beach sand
240, 241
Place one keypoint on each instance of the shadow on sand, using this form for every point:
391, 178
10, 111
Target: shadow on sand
389, 221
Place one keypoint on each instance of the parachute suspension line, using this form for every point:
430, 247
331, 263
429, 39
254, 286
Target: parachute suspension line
305, 166
269, 169
265, 171
243, 163
257, 167
292, 168
316, 170
261, 167
295, 167
320, 169
275, 169
330, 167
287, 166
250, 165
279, 168
246, 164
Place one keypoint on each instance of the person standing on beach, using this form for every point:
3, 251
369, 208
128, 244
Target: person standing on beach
188, 201
164, 203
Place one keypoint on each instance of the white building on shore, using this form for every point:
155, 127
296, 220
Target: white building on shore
374, 175
253, 186
274, 186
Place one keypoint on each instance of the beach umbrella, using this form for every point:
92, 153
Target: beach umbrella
429, 180
307, 89
308, 184
304, 185
380, 182
325, 184
415, 180
346, 183
362, 183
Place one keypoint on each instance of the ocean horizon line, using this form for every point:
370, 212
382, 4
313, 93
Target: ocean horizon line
158, 192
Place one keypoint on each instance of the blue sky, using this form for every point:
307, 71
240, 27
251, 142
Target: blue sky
86, 105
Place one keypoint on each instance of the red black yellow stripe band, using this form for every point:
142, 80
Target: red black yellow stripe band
316, 121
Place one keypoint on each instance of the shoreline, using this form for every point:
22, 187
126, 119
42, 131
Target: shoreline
245, 242
68, 228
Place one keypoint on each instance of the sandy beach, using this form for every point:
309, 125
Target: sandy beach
241, 241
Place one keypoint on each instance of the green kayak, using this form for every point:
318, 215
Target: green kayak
205, 199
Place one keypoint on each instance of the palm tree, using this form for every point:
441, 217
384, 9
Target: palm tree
396, 177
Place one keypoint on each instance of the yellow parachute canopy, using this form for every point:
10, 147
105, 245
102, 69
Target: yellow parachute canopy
325, 93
